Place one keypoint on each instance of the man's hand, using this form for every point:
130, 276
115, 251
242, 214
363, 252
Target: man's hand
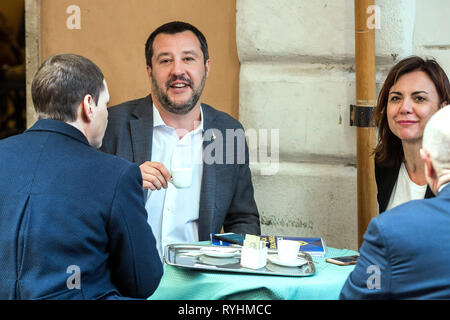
154, 175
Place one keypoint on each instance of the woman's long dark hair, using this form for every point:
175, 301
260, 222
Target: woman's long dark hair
389, 150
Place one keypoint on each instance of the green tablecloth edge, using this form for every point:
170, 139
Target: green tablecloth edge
187, 284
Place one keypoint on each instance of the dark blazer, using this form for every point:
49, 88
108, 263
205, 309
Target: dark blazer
227, 197
408, 251
385, 179
68, 211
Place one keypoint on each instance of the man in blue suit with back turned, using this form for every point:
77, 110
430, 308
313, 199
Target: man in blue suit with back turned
406, 252
72, 219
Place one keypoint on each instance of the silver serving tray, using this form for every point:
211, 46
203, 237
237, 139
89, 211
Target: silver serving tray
189, 256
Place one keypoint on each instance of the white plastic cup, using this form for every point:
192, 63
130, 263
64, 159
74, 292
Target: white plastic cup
288, 250
181, 177
253, 258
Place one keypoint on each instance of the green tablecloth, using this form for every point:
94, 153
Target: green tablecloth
185, 284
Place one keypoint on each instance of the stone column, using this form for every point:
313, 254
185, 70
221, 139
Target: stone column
32, 51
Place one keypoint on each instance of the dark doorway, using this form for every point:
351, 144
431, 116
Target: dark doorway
12, 70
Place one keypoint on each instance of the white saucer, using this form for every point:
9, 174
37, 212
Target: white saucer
219, 252
274, 259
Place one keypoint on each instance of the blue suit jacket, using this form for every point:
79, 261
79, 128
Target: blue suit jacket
227, 197
67, 212
410, 246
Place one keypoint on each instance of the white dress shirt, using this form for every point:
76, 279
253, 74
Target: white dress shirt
172, 212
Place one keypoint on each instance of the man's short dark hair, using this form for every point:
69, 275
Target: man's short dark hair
61, 83
174, 28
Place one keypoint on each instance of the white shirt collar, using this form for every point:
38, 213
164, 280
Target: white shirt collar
443, 186
158, 121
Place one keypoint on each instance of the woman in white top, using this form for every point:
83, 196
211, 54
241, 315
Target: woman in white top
412, 92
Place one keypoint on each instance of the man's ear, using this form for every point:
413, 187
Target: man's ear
207, 67
429, 168
149, 72
86, 108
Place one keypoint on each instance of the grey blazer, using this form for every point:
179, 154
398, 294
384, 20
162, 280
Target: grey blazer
227, 195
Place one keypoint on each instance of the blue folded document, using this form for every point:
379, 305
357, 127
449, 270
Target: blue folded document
312, 245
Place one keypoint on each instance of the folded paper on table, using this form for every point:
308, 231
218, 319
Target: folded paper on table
315, 246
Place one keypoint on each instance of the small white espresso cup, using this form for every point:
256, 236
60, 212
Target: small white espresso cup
182, 177
288, 250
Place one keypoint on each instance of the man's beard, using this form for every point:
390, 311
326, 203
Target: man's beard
178, 108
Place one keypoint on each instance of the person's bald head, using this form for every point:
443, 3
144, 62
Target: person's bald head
436, 148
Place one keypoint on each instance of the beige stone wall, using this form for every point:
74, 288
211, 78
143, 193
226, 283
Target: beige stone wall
32, 51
